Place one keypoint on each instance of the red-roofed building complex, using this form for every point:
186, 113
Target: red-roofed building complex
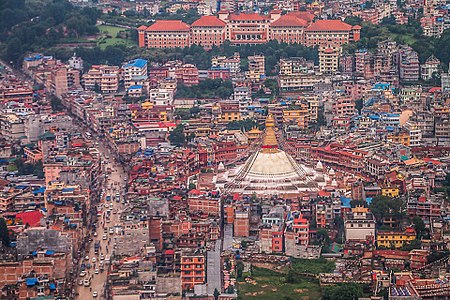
165, 34
208, 31
330, 32
248, 28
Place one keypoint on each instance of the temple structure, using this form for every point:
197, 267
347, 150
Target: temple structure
270, 171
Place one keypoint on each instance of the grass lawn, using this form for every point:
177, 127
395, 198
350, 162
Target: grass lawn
270, 285
106, 30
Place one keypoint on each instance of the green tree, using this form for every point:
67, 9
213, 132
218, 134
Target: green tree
323, 237
347, 291
56, 103
177, 136
216, 294
414, 244
419, 226
383, 206
239, 270
4, 233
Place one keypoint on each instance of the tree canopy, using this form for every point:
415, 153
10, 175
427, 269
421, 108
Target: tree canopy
177, 136
347, 291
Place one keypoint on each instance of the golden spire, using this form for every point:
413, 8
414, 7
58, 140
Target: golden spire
270, 143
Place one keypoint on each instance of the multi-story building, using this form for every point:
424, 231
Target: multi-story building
135, 72
328, 59
208, 31
344, 107
330, 32
300, 226
359, 225
102, 77
289, 28
408, 64
248, 28
256, 68
430, 67
165, 34
389, 239
242, 224
231, 63
193, 270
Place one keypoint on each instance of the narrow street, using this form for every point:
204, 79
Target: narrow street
105, 231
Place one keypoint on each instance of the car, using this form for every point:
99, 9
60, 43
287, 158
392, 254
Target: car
102, 257
95, 234
94, 260
111, 230
82, 273
86, 282
96, 271
87, 257
80, 282
95, 294
104, 237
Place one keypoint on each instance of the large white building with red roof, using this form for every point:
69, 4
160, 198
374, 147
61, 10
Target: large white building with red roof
248, 28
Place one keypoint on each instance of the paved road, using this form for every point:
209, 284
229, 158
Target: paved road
116, 180
213, 276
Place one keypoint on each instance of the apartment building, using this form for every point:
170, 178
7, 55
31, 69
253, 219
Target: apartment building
135, 73
328, 59
256, 68
102, 77
193, 270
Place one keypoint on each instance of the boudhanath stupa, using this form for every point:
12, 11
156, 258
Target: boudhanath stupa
271, 171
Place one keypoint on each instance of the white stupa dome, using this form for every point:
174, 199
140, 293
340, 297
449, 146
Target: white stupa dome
319, 166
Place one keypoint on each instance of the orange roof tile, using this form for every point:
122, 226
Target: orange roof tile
329, 25
142, 27
168, 25
304, 15
209, 21
289, 21
247, 17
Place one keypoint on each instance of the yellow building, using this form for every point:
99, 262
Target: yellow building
400, 138
390, 191
389, 239
298, 116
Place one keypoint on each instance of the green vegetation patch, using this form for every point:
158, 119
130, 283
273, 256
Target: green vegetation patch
312, 266
268, 284
113, 36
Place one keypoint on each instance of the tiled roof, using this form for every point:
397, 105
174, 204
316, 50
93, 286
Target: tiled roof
142, 27
329, 25
168, 25
289, 21
209, 21
304, 15
247, 17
